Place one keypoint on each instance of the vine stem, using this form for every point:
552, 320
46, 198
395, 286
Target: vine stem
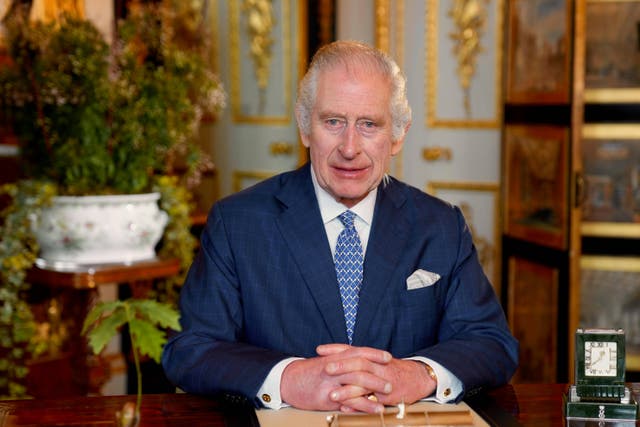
136, 361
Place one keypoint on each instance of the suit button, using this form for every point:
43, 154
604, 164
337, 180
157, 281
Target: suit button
266, 398
447, 392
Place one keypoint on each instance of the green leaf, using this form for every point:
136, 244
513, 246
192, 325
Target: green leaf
102, 333
97, 312
147, 338
156, 312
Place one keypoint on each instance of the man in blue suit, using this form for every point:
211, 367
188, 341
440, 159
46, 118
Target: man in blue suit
263, 310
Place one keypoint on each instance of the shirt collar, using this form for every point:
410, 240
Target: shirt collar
330, 208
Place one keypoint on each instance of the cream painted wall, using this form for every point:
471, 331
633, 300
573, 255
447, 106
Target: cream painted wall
471, 176
102, 14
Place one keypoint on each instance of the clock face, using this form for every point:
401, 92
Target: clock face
600, 358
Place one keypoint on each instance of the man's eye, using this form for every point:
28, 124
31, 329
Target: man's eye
367, 126
334, 123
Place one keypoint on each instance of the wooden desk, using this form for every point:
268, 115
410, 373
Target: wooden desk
520, 404
69, 291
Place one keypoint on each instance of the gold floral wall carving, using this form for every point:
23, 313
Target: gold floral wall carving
260, 21
470, 19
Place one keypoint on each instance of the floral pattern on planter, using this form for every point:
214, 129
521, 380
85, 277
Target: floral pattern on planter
100, 229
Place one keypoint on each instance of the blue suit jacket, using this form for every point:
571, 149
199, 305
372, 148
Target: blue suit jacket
263, 287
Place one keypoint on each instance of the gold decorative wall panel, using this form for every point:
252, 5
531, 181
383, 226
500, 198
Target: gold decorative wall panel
486, 238
267, 99
389, 37
473, 107
245, 179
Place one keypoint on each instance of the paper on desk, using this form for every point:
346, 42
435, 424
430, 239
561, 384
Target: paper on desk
290, 417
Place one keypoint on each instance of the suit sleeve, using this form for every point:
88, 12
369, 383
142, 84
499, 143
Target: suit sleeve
474, 340
208, 356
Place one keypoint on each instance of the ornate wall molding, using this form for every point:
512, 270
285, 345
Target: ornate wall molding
488, 247
253, 100
464, 52
389, 37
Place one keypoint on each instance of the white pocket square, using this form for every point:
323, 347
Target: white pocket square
421, 279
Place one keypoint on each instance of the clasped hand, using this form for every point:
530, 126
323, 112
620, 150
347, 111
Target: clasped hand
344, 378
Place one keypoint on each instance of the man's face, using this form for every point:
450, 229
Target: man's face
351, 142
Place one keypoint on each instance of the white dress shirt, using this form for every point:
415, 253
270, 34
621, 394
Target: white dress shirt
448, 386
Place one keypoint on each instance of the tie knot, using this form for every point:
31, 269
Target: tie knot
347, 218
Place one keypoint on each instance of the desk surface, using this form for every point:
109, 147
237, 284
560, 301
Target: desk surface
520, 404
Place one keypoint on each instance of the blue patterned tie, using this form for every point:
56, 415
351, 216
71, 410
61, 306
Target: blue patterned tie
349, 260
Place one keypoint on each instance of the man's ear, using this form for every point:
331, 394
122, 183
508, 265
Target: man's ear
396, 146
304, 138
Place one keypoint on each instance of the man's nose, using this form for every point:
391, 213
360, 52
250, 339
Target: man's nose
350, 146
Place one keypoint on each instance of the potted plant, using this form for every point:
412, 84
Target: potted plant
105, 121
99, 120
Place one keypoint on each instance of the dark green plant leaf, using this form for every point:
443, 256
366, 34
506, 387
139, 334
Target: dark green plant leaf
147, 338
97, 311
106, 329
157, 313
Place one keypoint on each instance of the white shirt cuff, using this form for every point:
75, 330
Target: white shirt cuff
269, 392
448, 386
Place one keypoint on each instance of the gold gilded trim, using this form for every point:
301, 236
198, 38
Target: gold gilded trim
259, 25
382, 10
303, 55
493, 252
239, 176
389, 19
611, 131
610, 229
214, 24
611, 95
610, 263
432, 80
470, 19
236, 66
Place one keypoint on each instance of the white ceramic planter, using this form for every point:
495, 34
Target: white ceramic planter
100, 229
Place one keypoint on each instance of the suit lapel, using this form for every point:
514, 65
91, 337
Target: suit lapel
301, 226
389, 233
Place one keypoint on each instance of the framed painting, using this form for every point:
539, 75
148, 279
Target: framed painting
611, 170
612, 52
539, 51
533, 317
616, 282
536, 184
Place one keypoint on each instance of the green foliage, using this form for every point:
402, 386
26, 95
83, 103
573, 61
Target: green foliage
100, 120
177, 241
95, 119
147, 320
18, 251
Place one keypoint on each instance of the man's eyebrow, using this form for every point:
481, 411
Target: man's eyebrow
329, 113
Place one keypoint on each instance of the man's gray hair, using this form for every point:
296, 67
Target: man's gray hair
346, 53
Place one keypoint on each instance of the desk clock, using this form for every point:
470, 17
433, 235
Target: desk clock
599, 391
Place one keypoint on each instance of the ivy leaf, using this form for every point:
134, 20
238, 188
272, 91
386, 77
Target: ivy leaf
147, 338
157, 313
106, 329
